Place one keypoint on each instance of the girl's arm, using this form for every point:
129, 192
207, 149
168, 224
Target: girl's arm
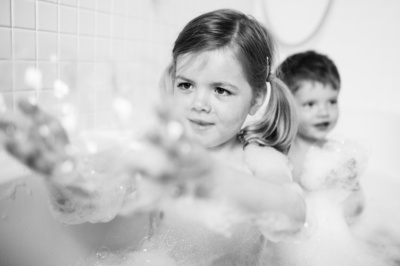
270, 193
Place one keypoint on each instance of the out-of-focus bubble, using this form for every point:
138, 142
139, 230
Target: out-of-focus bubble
175, 129
91, 147
32, 100
67, 109
53, 58
60, 89
33, 77
123, 108
136, 146
69, 122
67, 167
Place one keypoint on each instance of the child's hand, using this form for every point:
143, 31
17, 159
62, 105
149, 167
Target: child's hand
168, 165
36, 139
346, 176
167, 156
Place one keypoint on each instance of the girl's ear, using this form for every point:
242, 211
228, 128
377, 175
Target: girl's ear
258, 101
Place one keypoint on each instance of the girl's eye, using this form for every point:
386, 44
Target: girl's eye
184, 85
222, 91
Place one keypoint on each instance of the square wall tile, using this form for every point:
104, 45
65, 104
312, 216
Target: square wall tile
24, 14
86, 77
6, 76
47, 46
69, 2
19, 80
119, 53
103, 50
5, 13
104, 6
7, 100
89, 4
119, 7
86, 49
68, 19
24, 44
134, 29
68, 48
118, 27
5, 43
86, 22
103, 27
49, 72
47, 16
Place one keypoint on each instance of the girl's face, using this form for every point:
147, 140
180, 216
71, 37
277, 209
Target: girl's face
215, 96
318, 111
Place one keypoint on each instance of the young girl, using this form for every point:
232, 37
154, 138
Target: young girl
327, 168
218, 191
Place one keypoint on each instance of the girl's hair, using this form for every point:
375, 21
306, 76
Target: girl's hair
253, 46
308, 66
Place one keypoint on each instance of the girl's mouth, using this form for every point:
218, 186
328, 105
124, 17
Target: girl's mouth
200, 124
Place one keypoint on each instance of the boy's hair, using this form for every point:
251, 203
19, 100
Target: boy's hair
253, 47
308, 66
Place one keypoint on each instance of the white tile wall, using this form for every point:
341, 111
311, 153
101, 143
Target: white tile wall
89, 45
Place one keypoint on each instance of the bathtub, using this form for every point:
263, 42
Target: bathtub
30, 236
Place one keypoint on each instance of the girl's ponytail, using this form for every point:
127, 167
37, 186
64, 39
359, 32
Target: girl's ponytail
277, 127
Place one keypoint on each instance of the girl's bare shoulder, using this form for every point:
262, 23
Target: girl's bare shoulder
267, 162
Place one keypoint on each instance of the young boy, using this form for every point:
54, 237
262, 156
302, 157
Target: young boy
314, 81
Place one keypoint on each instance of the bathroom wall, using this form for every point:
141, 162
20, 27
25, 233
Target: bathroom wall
96, 48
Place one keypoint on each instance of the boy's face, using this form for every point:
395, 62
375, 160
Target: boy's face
318, 111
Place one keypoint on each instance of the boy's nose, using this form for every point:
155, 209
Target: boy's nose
323, 110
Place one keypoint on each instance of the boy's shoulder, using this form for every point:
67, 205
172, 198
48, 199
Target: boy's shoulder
264, 161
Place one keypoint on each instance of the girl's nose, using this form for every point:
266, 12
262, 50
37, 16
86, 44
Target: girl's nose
201, 102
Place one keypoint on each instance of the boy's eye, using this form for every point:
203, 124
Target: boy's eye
184, 85
308, 104
333, 102
221, 91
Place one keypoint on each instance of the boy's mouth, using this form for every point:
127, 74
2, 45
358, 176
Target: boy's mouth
322, 126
